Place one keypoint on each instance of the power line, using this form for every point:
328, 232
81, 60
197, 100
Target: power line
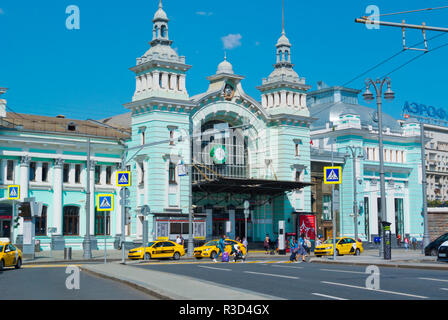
411, 11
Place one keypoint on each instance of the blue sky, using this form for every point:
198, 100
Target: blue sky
84, 73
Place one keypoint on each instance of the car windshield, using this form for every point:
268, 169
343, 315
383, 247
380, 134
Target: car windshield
211, 243
1, 248
150, 244
330, 241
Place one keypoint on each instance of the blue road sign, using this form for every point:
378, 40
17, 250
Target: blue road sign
123, 179
332, 175
13, 192
105, 202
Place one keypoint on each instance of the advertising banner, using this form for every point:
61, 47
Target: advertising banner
307, 225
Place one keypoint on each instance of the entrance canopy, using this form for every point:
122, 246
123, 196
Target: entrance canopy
248, 186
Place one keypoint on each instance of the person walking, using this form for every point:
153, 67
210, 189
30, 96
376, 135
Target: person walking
301, 247
245, 244
406, 243
221, 247
178, 240
266, 244
414, 243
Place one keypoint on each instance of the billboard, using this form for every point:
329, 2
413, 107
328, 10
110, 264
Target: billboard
307, 225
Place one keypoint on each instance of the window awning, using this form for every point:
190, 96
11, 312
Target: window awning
248, 186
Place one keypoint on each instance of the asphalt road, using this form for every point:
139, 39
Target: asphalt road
312, 281
49, 283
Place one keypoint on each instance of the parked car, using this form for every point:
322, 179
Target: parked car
344, 245
10, 256
210, 249
432, 248
158, 249
443, 252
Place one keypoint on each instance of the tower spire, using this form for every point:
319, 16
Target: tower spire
283, 16
160, 4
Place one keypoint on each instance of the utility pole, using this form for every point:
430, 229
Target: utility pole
426, 239
333, 211
87, 242
368, 96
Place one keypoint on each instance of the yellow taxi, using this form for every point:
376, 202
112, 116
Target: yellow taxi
10, 256
158, 249
344, 245
210, 249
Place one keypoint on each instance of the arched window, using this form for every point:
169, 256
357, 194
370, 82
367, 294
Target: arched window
99, 223
163, 31
160, 80
71, 221
286, 56
156, 30
41, 223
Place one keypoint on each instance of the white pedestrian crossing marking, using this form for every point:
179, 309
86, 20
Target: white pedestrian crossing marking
123, 179
332, 176
13, 192
105, 203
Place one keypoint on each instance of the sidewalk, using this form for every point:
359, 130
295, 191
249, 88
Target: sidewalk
169, 286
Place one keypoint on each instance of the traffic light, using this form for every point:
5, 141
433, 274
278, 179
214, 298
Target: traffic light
128, 215
24, 210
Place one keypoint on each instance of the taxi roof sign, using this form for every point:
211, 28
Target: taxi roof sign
123, 179
105, 202
13, 192
333, 175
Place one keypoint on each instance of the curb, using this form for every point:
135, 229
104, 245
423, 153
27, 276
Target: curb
130, 284
68, 261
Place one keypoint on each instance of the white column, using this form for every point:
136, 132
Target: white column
2, 171
57, 195
138, 86
270, 100
165, 80
182, 83
103, 176
283, 97
149, 83
155, 79
209, 223
174, 82
71, 174
276, 99
263, 101
24, 176
38, 172
144, 84
145, 182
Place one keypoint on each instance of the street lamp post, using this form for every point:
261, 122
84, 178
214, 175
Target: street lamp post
388, 95
87, 241
425, 240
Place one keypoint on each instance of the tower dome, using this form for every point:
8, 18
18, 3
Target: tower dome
160, 14
225, 67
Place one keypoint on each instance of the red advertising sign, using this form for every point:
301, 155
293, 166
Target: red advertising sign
307, 225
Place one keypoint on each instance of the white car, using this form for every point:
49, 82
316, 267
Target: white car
442, 254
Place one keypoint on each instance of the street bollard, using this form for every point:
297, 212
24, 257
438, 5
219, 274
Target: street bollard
68, 253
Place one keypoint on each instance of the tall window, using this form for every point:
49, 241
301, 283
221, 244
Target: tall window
143, 138
71, 221
10, 170
99, 223
32, 171
160, 80
297, 150
171, 137
66, 172
45, 172
97, 174
41, 223
78, 173
366, 217
108, 175
172, 173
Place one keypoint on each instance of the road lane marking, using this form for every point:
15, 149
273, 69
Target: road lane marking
50, 266
431, 279
279, 265
446, 289
215, 268
326, 296
383, 291
346, 271
272, 275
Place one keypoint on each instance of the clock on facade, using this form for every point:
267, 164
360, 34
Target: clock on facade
218, 154
228, 92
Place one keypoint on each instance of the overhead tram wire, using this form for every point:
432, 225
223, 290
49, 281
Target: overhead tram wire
410, 11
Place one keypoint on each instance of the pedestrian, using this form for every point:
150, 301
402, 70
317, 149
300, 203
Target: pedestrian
246, 244
238, 253
291, 244
307, 245
406, 243
293, 248
399, 240
414, 243
318, 241
178, 240
266, 244
182, 240
221, 246
238, 239
301, 247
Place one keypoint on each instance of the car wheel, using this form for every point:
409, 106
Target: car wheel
357, 252
199, 258
434, 252
176, 256
318, 256
147, 256
18, 264
213, 255
337, 252
2, 265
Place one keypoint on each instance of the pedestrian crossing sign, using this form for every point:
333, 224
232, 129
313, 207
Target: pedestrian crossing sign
332, 175
105, 202
13, 192
123, 179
